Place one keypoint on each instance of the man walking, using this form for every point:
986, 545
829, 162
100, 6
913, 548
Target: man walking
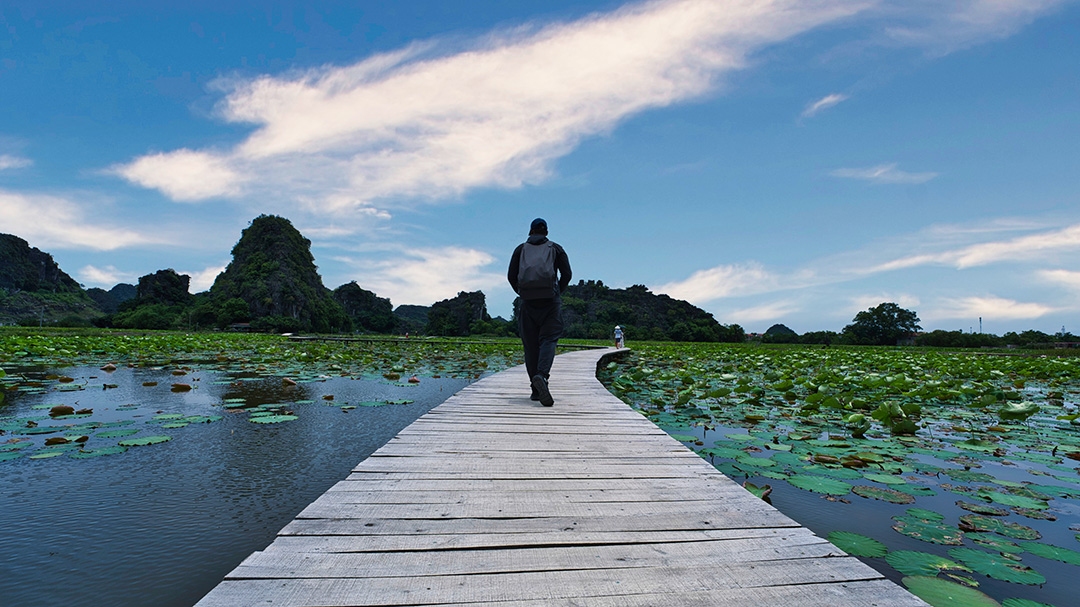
539, 272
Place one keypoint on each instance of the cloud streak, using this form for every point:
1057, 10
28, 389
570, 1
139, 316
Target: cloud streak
424, 275
7, 161
997, 308
884, 173
824, 103
419, 125
52, 221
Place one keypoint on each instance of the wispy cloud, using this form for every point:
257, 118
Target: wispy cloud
7, 161
942, 28
106, 277
422, 276
52, 221
418, 124
1024, 248
824, 103
724, 281
773, 311
884, 173
1067, 278
997, 308
202, 280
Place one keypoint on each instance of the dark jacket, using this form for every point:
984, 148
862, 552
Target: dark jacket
562, 263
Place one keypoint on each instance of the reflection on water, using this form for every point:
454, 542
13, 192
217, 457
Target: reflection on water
161, 525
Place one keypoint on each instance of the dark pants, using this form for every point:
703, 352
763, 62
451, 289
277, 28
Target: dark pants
540, 326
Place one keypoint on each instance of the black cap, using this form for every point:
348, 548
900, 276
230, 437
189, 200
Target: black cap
538, 226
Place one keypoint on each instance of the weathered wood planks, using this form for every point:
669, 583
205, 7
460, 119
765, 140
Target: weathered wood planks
490, 498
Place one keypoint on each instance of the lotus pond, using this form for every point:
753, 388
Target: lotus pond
140, 469
953, 473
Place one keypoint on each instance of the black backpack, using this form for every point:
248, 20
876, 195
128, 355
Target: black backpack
536, 271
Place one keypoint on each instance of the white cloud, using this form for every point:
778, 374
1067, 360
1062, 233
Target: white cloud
1067, 278
723, 281
824, 103
904, 300
766, 312
884, 173
7, 161
990, 307
52, 221
203, 279
106, 277
183, 175
1023, 248
423, 276
416, 124
942, 28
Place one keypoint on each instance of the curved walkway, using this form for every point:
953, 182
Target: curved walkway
490, 498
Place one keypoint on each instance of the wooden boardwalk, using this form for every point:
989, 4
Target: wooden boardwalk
490, 498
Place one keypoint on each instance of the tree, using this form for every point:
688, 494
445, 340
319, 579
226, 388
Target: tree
884, 325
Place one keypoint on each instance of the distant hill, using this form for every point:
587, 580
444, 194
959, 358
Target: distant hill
108, 301
368, 311
34, 288
411, 319
274, 274
591, 310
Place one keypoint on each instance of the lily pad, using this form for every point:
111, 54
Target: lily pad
857, 545
114, 450
928, 529
144, 440
885, 479
884, 494
1049, 551
820, 484
943, 593
274, 419
910, 562
978, 522
1009, 499
1023, 603
997, 566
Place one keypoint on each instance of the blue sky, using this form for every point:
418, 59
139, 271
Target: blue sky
771, 161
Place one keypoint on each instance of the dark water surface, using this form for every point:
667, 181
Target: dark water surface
161, 525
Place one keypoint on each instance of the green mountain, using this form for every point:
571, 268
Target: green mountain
273, 273
368, 311
33, 288
591, 310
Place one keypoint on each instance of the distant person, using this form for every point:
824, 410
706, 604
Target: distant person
539, 272
618, 336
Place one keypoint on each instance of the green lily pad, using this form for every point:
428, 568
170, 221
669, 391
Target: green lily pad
978, 522
997, 566
943, 593
856, 544
1049, 551
46, 454
9, 455
144, 440
820, 484
1009, 499
274, 419
984, 509
994, 542
885, 479
1023, 603
684, 438
927, 529
884, 494
910, 562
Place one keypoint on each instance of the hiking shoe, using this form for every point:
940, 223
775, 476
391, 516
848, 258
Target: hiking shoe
540, 385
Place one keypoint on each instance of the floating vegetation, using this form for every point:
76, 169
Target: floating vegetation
944, 593
897, 425
857, 545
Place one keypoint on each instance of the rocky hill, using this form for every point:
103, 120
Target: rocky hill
33, 287
591, 310
274, 273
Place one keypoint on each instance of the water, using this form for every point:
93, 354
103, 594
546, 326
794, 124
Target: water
161, 525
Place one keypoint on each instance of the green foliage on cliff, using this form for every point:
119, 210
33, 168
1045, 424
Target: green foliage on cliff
591, 310
34, 290
462, 316
274, 273
368, 311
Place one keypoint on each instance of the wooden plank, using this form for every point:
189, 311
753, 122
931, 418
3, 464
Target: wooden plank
492, 498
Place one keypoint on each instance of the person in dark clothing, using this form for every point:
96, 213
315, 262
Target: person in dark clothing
539, 307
